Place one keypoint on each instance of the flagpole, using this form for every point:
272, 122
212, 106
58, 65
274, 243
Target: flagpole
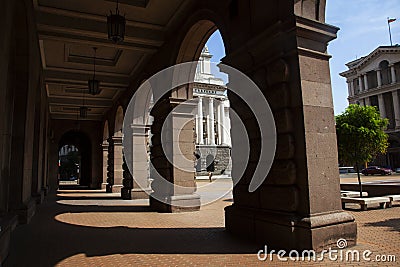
390, 32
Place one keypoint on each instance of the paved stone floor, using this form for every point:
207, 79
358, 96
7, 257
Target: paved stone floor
86, 228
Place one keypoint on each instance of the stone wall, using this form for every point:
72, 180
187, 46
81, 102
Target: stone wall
222, 155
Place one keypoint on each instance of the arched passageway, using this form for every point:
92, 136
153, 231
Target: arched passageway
280, 45
75, 148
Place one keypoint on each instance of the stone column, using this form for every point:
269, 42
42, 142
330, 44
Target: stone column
222, 121
379, 77
353, 91
396, 108
173, 174
105, 164
212, 120
200, 121
117, 162
365, 82
110, 166
196, 127
349, 88
298, 205
127, 182
393, 73
367, 101
140, 161
218, 122
381, 103
360, 83
208, 130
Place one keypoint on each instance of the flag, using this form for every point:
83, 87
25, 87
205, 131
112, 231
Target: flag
391, 20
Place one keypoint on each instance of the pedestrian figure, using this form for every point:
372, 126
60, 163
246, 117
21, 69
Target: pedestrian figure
210, 166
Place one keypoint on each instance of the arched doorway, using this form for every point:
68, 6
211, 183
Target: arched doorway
173, 160
69, 165
75, 158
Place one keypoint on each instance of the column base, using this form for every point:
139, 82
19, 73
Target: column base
109, 188
26, 212
291, 232
7, 225
117, 188
172, 204
39, 197
138, 193
104, 186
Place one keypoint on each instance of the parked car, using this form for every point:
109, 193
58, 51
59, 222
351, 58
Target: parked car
371, 170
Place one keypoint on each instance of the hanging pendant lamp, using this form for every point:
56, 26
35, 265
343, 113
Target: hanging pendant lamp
116, 26
93, 84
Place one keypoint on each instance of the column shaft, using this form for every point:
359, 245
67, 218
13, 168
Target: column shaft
396, 107
208, 130
360, 83
118, 161
105, 164
365, 82
381, 102
222, 122
378, 76
200, 121
367, 101
211, 112
393, 73
219, 123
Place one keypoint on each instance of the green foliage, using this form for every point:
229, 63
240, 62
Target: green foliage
360, 134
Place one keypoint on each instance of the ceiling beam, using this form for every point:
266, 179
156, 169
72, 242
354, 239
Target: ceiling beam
82, 26
91, 16
83, 83
135, 3
64, 75
78, 101
93, 41
62, 116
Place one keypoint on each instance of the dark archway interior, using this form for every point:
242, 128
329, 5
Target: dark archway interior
83, 144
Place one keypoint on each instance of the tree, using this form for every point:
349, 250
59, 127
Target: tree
360, 136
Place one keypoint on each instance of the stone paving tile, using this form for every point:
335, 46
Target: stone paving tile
86, 232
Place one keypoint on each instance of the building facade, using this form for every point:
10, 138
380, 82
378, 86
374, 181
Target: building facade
374, 80
212, 123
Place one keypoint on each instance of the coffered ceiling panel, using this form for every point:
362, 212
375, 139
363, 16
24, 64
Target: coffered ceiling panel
157, 12
68, 31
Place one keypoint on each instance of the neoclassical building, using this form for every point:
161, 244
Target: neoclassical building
212, 123
57, 90
374, 80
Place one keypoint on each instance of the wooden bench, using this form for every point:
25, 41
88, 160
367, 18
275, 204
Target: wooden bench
352, 194
364, 202
392, 199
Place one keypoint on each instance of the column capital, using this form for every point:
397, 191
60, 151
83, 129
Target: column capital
117, 140
105, 145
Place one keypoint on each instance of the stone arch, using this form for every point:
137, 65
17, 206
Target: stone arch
106, 131
195, 40
188, 48
119, 120
385, 72
311, 9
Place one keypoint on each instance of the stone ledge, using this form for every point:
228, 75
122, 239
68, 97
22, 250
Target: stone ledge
289, 231
7, 226
172, 204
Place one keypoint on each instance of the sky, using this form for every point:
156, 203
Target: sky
363, 27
